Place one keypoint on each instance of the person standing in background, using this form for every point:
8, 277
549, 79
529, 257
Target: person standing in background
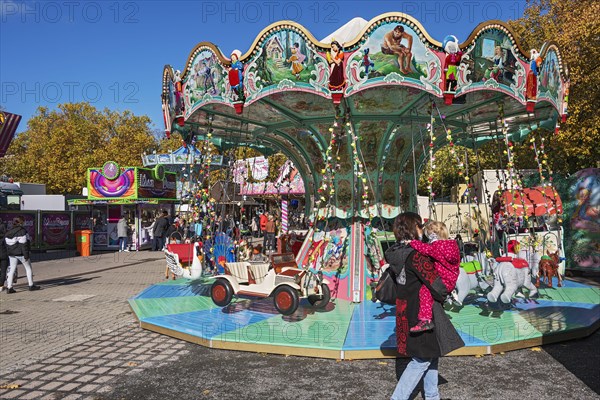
160, 228
122, 228
270, 232
263, 229
254, 227
150, 230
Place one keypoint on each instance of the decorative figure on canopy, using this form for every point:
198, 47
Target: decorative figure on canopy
236, 78
179, 107
367, 62
166, 117
209, 82
392, 44
453, 57
335, 58
296, 59
532, 76
337, 79
565, 104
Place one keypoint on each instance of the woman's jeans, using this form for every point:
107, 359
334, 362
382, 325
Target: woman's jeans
411, 376
14, 260
270, 241
122, 243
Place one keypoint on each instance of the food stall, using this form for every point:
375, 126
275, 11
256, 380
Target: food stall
136, 192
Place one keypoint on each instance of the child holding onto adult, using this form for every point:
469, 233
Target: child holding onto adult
446, 255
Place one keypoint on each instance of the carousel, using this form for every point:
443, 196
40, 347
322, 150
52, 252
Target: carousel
360, 118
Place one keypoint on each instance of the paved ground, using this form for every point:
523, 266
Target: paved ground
77, 339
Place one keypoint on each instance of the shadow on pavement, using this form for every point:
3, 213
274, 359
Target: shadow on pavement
51, 283
578, 356
52, 255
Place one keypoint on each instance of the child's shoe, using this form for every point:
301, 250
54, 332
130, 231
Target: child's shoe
423, 326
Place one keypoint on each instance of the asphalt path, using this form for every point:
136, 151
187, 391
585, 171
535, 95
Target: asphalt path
90, 347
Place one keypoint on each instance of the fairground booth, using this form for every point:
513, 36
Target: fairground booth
360, 114
138, 193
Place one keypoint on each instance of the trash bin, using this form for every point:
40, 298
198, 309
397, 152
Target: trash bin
83, 242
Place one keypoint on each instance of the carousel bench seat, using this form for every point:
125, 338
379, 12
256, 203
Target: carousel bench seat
238, 270
259, 270
185, 251
247, 272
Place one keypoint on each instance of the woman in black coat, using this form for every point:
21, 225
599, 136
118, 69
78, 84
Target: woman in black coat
413, 270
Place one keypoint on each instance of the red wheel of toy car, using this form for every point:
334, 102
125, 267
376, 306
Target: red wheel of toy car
221, 292
286, 300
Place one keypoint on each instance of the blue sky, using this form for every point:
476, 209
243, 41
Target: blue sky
112, 53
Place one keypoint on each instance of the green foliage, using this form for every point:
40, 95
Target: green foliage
279, 73
58, 146
489, 156
445, 174
388, 63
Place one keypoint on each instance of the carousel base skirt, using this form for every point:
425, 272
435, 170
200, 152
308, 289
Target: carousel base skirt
343, 330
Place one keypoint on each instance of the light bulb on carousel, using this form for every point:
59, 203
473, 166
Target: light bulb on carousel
326, 182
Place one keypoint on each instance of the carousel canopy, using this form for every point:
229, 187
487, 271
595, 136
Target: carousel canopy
398, 89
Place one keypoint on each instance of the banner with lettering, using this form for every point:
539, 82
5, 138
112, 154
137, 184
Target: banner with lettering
259, 167
149, 187
56, 229
82, 220
240, 172
29, 223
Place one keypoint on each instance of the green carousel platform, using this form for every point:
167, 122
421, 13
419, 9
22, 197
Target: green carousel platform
344, 330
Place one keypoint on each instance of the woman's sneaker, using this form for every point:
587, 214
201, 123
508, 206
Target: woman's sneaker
423, 326
34, 287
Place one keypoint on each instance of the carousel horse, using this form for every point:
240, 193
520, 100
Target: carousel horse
548, 269
510, 274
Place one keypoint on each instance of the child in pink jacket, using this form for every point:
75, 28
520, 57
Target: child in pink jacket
446, 255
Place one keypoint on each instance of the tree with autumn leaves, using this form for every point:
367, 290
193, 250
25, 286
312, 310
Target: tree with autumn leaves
59, 145
574, 26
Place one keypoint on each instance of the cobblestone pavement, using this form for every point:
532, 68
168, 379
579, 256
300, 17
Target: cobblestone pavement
77, 339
